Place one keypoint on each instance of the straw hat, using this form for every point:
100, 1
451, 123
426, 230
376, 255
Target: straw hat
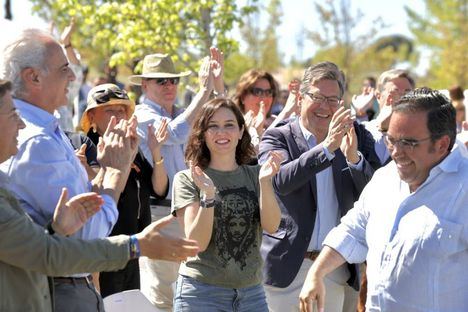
157, 66
104, 95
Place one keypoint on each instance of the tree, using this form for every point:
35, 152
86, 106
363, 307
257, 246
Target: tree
357, 53
443, 30
125, 31
262, 42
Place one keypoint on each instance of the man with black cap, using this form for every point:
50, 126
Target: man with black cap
159, 81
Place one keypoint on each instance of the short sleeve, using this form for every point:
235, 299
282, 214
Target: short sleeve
184, 191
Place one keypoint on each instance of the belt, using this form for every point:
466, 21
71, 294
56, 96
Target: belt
311, 255
160, 202
74, 280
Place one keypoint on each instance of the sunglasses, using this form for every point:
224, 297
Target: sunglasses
259, 92
104, 96
165, 81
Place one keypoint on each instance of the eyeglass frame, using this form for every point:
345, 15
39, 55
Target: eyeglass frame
406, 144
164, 81
109, 95
323, 99
261, 92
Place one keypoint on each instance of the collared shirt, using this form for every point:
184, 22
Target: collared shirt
328, 214
46, 163
380, 147
172, 151
416, 244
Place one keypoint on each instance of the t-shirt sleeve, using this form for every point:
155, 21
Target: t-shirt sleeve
184, 191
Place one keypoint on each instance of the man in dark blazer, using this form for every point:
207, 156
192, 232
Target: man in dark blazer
328, 160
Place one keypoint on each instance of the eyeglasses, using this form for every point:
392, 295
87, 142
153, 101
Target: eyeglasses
332, 101
259, 92
405, 144
165, 81
104, 96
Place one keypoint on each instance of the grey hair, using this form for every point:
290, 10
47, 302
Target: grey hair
323, 71
26, 51
391, 74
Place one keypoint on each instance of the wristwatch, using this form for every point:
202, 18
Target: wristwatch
210, 203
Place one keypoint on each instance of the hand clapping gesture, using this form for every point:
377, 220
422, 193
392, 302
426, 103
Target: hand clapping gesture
71, 215
202, 181
340, 123
118, 146
157, 138
217, 67
271, 166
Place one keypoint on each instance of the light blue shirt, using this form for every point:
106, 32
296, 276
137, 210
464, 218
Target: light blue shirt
44, 164
380, 147
416, 244
328, 213
148, 113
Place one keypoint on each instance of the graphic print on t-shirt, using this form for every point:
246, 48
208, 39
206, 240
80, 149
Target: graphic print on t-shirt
236, 223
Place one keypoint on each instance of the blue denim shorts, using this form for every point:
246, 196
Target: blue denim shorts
195, 296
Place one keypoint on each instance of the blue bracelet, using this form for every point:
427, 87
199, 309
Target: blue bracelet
135, 251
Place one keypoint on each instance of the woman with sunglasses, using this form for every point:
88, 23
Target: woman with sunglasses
105, 101
256, 93
224, 205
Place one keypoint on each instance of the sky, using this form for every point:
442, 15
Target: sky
297, 15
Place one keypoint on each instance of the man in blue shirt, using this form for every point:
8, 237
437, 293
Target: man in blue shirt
159, 81
46, 161
411, 221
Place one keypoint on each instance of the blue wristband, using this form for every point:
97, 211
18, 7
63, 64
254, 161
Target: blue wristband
134, 247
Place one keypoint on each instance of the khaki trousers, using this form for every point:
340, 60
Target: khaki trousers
339, 296
158, 277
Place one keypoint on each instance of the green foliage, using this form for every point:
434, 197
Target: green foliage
125, 31
262, 42
443, 29
357, 55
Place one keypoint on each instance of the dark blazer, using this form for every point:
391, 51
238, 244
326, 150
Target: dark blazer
296, 192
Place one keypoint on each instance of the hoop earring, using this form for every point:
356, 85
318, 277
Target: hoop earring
94, 127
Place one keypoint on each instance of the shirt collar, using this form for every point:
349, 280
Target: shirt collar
161, 111
453, 160
33, 114
449, 164
308, 136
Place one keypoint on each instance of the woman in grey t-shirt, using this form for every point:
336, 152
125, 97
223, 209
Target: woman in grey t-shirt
224, 205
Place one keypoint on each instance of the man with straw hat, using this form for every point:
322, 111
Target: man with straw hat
159, 80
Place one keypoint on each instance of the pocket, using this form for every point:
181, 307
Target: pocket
445, 238
279, 234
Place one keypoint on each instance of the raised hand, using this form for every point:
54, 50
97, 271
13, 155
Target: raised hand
205, 75
157, 138
340, 123
217, 67
81, 154
202, 181
156, 245
119, 144
67, 33
271, 166
349, 146
259, 120
71, 215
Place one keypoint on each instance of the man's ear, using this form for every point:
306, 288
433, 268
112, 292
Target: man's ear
30, 76
442, 145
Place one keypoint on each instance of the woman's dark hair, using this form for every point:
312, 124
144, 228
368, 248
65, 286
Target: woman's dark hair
198, 152
246, 83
